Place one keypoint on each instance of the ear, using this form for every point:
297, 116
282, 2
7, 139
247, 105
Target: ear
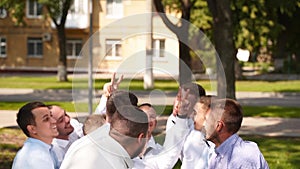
220, 126
140, 137
31, 129
152, 123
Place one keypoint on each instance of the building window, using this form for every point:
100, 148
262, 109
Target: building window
35, 47
34, 9
113, 49
114, 8
2, 47
158, 48
74, 47
3, 12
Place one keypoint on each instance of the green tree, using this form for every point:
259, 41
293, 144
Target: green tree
222, 33
57, 11
181, 30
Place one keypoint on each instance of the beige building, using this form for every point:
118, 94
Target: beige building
121, 29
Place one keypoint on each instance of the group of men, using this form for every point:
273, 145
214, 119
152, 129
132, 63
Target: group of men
201, 132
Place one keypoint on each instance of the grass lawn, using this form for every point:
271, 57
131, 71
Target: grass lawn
279, 152
50, 82
249, 111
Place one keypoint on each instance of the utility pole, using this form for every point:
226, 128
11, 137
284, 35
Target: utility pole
148, 76
90, 65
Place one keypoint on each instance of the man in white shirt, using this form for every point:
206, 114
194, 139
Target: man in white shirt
196, 150
69, 131
126, 139
189, 157
37, 123
151, 148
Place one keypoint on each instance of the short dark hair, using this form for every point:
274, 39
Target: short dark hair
93, 122
232, 114
118, 99
207, 100
130, 121
25, 116
145, 105
195, 89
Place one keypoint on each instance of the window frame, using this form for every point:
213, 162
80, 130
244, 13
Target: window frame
117, 9
74, 42
158, 53
35, 10
35, 41
5, 47
113, 43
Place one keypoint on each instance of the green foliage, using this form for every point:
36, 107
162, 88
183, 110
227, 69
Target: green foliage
16, 8
253, 24
257, 24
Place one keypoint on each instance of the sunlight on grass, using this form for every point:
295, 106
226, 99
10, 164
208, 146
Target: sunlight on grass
50, 82
271, 111
279, 152
249, 111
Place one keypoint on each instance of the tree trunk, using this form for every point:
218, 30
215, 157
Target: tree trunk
223, 39
62, 64
182, 33
185, 72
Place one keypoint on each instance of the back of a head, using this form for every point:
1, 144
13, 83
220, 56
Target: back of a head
207, 100
93, 122
195, 89
149, 110
232, 113
118, 99
25, 116
130, 121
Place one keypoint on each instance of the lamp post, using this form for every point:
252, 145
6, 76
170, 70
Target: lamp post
90, 65
148, 76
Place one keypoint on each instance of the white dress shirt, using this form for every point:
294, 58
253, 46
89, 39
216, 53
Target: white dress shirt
168, 155
61, 146
196, 151
34, 154
152, 148
101, 108
97, 150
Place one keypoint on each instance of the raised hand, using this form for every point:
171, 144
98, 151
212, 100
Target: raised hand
184, 104
181, 103
112, 86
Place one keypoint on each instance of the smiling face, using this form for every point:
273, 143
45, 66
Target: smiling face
151, 113
200, 115
44, 128
62, 122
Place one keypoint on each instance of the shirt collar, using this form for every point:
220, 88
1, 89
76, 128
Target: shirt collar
109, 144
226, 145
61, 142
39, 142
151, 143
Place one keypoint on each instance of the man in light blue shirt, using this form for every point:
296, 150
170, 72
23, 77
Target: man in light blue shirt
223, 121
37, 123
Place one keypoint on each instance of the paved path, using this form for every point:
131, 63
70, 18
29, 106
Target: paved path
251, 125
154, 96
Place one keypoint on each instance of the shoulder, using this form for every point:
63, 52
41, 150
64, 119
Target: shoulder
246, 154
246, 146
33, 156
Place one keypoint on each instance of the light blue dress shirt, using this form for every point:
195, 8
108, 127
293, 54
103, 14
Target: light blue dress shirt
34, 154
237, 153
